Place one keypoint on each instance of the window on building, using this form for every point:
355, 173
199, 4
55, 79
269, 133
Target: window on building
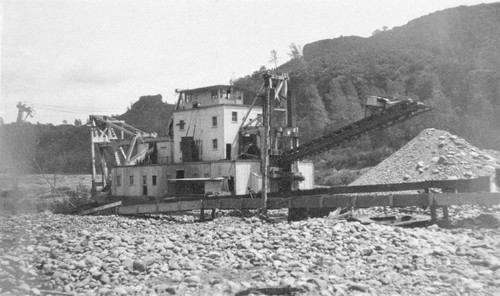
214, 121
181, 124
238, 95
144, 180
214, 144
118, 180
131, 181
153, 181
234, 117
215, 94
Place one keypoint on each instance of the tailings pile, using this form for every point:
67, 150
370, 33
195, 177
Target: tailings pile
432, 155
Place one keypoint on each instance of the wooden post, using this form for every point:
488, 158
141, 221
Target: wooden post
289, 107
433, 212
202, 215
265, 153
446, 214
94, 173
104, 168
202, 212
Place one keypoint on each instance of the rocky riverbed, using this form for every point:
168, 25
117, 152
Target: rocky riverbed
113, 255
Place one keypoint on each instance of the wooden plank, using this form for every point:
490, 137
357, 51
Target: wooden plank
127, 210
146, 209
336, 201
233, 203
405, 200
278, 203
366, 201
211, 204
483, 198
481, 184
251, 203
313, 201
462, 185
168, 207
189, 205
100, 208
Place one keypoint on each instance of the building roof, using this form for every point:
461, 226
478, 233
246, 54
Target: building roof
212, 87
216, 106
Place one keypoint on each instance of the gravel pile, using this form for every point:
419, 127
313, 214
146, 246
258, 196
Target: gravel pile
432, 155
113, 255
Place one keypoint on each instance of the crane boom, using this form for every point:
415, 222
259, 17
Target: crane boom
388, 117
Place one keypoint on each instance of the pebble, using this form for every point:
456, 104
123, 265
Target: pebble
229, 255
139, 266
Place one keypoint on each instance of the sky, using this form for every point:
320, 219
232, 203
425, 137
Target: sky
68, 59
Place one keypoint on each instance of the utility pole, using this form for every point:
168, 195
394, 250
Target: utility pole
22, 108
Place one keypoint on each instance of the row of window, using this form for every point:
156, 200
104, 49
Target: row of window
222, 93
215, 144
179, 174
131, 180
234, 118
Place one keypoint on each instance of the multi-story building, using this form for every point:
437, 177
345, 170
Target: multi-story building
206, 151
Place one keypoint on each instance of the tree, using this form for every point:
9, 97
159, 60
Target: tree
78, 122
65, 121
342, 103
311, 114
274, 58
295, 51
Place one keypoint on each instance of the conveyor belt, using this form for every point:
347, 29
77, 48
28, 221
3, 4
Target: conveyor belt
390, 116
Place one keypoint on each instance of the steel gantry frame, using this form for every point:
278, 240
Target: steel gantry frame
108, 133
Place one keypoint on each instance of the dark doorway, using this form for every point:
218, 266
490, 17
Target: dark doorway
228, 151
230, 184
179, 174
144, 185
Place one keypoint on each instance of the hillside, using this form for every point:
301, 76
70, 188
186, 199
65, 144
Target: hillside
35, 148
449, 59
149, 114
469, 34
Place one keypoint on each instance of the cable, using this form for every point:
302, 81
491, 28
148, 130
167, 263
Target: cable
73, 107
30, 154
78, 110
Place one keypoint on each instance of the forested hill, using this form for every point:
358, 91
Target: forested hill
35, 148
149, 114
468, 34
449, 59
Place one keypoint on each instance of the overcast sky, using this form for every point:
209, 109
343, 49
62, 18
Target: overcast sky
69, 59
